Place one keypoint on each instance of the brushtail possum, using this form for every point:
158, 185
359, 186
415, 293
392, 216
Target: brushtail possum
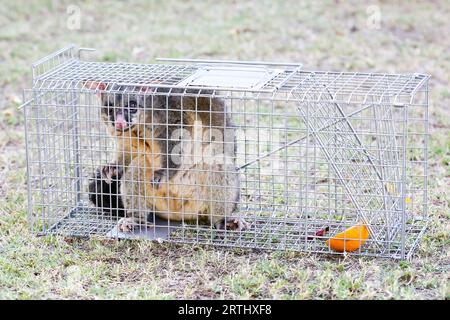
175, 158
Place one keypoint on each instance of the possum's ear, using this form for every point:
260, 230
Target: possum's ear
144, 89
94, 85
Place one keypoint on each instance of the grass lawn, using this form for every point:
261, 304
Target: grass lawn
324, 35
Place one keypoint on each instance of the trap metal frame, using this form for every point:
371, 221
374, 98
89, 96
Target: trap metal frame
316, 151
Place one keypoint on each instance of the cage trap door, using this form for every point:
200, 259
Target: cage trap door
368, 181
230, 77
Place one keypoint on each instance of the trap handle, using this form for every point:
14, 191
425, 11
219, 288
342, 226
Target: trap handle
84, 49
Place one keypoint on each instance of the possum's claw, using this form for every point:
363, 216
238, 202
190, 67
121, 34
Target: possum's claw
129, 224
126, 224
234, 224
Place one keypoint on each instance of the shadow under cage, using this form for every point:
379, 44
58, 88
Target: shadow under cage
230, 153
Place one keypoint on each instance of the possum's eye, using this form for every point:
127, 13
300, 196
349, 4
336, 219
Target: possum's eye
109, 105
111, 109
132, 107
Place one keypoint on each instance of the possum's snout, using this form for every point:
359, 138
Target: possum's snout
121, 123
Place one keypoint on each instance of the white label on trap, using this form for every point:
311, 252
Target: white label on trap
230, 77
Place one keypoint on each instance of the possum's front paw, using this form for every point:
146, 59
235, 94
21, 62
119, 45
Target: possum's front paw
234, 224
105, 194
126, 224
111, 172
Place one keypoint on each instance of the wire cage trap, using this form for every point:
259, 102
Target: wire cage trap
230, 153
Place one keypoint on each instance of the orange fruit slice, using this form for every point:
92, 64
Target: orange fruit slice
349, 240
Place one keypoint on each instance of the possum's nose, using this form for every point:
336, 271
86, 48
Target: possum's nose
121, 123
